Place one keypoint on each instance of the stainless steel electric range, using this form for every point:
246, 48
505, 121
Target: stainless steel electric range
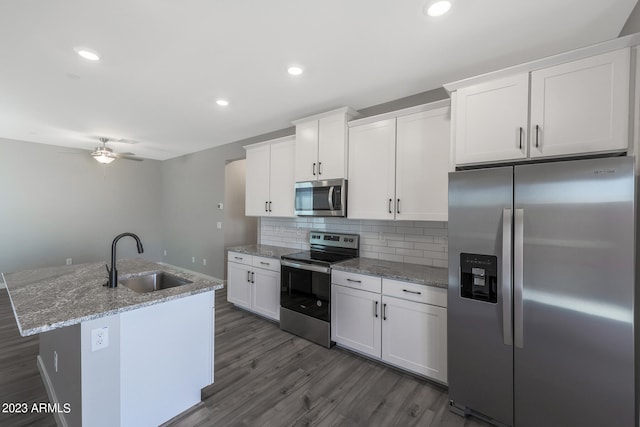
305, 285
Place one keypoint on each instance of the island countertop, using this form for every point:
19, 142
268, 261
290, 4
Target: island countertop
54, 297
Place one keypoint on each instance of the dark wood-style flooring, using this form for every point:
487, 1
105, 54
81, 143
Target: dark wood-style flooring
263, 377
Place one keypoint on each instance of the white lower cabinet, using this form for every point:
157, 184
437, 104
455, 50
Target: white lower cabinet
253, 283
401, 325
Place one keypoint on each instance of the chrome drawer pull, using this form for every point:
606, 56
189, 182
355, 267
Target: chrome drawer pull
265, 263
355, 281
238, 257
411, 292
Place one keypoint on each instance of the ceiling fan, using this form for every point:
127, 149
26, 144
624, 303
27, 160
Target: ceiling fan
105, 155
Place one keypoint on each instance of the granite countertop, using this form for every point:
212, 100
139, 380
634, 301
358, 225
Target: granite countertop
415, 273
264, 250
54, 297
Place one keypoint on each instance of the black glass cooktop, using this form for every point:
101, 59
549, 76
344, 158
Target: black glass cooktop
317, 257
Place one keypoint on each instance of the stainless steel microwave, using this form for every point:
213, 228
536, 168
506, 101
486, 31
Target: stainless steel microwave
321, 198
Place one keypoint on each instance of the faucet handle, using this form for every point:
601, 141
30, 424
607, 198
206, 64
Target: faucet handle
107, 267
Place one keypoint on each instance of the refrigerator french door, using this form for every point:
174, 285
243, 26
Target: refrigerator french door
541, 293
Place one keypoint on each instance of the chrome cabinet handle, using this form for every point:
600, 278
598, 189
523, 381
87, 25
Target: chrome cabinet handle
314, 169
238, 257
518, 278
398, 206
412, 292
375, 309
319, 168
269, 206
265, 263
384, 311
353, 280
248, 276
266, 206
521, 131
253, 277
537, 136
390, 200
507, 332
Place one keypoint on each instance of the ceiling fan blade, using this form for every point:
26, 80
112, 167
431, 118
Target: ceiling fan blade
136, 159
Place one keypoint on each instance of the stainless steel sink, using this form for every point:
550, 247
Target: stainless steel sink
153, 282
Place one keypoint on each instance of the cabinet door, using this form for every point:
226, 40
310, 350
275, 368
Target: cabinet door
355, 319
414, 337
257, 183
306, 164
265, 299
581, 106
372, 168
332, 147
281, 192
491, 120
422, 165
238, 284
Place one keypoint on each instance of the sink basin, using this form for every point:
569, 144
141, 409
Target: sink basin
153, 282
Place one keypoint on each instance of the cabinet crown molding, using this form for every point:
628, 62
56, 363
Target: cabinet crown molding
403, 112
271, 141
348, 111
560, 58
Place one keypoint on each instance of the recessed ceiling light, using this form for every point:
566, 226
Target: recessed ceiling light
439, 8
294, 70
222, 102
89, 54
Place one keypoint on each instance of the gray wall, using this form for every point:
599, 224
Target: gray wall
193, 185
633, 22
58, 203
238, 229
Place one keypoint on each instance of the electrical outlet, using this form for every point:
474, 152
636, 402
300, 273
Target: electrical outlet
204, 261
219, 225
220, 206
193, 260
55, 361
99, 338
165, 252
69, 261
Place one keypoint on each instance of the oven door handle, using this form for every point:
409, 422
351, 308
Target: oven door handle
303, 266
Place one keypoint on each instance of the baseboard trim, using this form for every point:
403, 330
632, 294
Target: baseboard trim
48, 386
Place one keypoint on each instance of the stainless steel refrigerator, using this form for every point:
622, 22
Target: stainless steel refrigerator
541, 293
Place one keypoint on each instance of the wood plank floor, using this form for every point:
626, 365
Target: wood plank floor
264, 377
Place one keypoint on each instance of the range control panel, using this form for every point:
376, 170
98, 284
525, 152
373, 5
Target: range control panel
337, 240
479, 277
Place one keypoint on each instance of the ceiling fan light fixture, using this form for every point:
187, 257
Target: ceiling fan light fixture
87, 54
103, 158
438, 8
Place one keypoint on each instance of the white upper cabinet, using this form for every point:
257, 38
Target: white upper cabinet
491, 120
581, 106
398, 166
321, 145
422, 165
372, 168
270, 182
572, 108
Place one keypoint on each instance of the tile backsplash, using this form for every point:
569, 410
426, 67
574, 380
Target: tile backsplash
415, 242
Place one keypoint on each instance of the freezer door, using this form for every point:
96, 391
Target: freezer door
574, 293
480, 352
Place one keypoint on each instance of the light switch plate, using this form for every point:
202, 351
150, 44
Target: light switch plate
99, 338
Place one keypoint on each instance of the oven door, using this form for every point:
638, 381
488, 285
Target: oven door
306, 288
321, 198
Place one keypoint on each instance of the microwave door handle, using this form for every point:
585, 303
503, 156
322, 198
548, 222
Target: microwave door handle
330, 197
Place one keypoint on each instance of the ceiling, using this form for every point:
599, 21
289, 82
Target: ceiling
165, 62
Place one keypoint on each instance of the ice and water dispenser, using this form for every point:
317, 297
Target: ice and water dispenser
479, 277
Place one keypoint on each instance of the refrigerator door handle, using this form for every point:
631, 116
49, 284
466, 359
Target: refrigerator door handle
518, 277
506, 277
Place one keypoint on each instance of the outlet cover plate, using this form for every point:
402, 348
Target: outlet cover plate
99, 338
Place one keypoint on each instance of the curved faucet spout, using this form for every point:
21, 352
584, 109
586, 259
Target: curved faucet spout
113, 272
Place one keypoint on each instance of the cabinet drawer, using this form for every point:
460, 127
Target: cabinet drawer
240, 258
266, 263
357, 281
414, 292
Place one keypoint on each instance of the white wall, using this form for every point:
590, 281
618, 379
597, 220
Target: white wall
58, 203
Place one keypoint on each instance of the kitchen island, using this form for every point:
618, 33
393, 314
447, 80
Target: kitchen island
115, 356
